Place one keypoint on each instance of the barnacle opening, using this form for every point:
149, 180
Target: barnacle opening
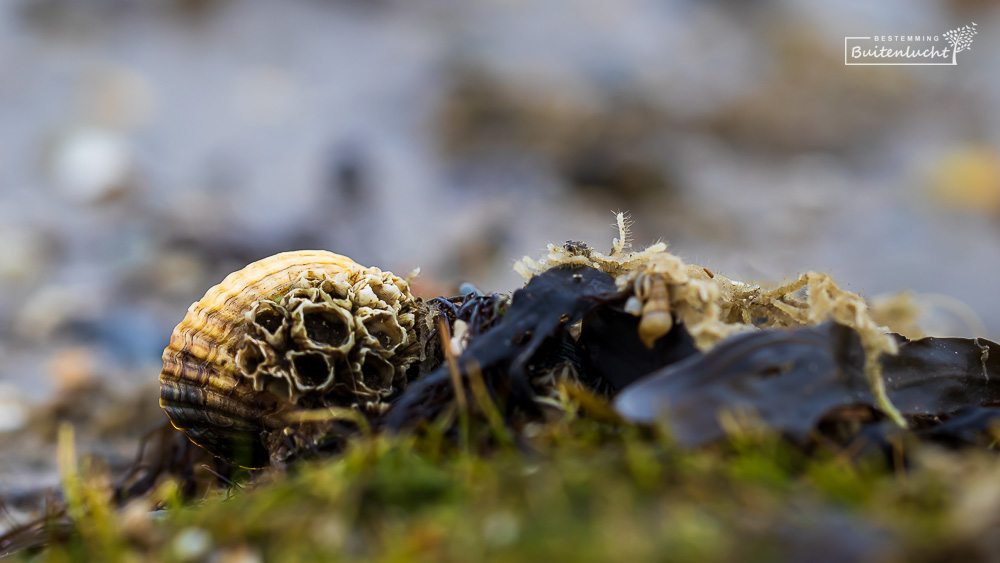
250, 357
376, 373
324, 326
268, 315
310, 370
385, 329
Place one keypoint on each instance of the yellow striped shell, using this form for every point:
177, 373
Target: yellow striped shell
297, 330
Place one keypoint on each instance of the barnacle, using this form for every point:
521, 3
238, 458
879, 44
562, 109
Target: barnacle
292, 332
664, 290
331, 334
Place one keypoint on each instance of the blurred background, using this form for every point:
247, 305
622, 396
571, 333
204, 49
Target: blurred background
150, 147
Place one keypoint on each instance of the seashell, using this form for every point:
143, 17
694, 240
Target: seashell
294, 331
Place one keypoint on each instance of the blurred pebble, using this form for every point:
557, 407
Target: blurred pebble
967, 178
23, 253
49, 307
91, 165
13, 410
136, 523
72, 370
191, 544
466, 288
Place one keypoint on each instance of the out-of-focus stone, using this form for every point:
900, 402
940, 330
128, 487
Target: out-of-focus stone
48, 308
192, 544
91, 165
13, 410
967, 178
23, 253
72, 370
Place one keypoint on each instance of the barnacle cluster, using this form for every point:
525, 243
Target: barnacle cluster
348, 335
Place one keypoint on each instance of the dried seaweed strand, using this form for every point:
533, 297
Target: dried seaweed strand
713, 307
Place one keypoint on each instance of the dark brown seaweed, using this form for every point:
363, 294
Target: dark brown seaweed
787, 379
540, 311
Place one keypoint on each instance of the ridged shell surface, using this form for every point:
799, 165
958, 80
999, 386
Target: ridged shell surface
295, 330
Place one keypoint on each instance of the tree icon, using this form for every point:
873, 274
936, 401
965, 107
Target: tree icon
960, 39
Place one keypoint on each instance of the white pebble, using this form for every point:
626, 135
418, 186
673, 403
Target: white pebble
13, 416
191, 544
91, 164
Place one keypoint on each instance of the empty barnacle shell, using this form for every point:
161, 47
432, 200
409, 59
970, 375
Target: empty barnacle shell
295, 331
324, 326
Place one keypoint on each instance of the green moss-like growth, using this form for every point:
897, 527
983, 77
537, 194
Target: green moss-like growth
589, 490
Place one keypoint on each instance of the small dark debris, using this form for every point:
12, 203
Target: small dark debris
576, 247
